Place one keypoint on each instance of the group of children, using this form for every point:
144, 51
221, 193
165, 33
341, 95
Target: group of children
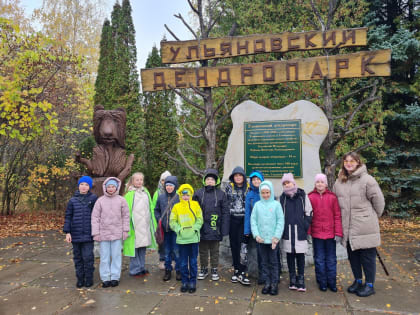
194, 223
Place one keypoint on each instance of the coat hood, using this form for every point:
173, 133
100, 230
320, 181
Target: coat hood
268, 184
237, 170
259, 175
359, 172
118, 188
211, 171
185, 187
172, 180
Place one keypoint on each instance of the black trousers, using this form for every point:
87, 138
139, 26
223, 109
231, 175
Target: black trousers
300, 260
236, 237
269, 263
83, 260
363, 259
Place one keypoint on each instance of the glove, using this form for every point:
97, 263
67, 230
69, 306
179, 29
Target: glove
259, 240
338, 239
96, 238
274, 242
125, 235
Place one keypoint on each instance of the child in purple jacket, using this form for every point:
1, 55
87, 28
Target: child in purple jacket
110, 225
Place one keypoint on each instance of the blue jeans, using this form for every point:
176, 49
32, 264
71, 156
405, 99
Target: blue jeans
138, 261
269, 263
171, 250
325, 261
110, 265
83, 260
188, 260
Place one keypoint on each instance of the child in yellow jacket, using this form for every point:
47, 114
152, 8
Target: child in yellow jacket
186, 220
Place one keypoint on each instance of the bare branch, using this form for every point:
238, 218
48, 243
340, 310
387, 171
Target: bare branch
213, 22
172, 33
341, 116
190, 148
371, 98
313, 23
187, 99
192, 7
333, 5
318, 15
179, 16
219, 161
184, 162
362, 147
190, 134
351, 94
360, 127
198, 91
223, 118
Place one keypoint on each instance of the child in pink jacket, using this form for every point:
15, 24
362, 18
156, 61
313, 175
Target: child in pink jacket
110, 225
326, 231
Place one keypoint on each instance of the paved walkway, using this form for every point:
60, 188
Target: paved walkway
37, 277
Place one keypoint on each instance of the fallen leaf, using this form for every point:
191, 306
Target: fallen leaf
388, 305
128, 291
216, 301
90, 302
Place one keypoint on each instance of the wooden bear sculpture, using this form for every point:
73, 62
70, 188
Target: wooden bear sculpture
109, 157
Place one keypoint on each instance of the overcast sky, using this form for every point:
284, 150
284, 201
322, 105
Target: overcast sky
149, 17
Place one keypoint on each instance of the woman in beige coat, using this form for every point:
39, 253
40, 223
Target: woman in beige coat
361, 202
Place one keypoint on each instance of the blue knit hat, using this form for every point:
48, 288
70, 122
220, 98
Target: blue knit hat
86, 179
112, 182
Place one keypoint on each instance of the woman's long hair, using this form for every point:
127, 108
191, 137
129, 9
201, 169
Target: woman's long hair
343, 175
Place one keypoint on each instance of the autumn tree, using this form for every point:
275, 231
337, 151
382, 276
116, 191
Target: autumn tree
38, 84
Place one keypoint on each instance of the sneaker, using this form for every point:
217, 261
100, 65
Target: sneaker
234, 278
365, 291
214, 274
106, 284
243, 279
204, 272
292, 285
114, 283
168, 275
300, 283
354, 287
161, 265
178, 276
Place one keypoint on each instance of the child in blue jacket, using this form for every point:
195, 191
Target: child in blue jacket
79, 231
267, 224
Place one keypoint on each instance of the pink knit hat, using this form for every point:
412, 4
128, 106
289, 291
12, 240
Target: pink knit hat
288, 177
322, 178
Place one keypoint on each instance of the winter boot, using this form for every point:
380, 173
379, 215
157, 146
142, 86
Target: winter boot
274, 290
168, 275
178, 276
266, 289
355, 286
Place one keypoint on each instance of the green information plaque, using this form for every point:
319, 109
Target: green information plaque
273, 147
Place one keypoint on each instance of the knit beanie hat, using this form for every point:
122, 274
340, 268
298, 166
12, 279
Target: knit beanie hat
85, 179
288, 177
321, 178
164, 175
111, 182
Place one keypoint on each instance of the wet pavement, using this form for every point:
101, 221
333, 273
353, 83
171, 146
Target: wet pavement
37, 277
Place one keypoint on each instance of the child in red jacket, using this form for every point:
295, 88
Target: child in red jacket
326, 230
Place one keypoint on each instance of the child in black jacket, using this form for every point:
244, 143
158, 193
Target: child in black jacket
214, 205
77, 226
